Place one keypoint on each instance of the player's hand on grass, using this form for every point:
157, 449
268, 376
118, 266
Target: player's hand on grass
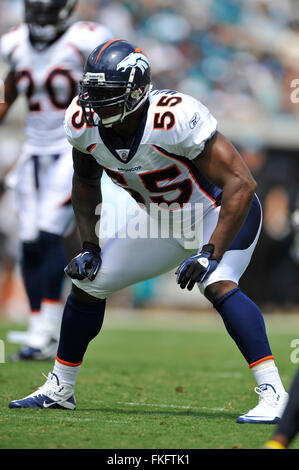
86, 264
196, 267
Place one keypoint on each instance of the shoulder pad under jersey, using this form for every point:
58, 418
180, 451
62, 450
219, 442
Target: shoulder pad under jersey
79, 134
85, 36
181, 122
11, 40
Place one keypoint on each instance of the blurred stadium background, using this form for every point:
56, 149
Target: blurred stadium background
241, 59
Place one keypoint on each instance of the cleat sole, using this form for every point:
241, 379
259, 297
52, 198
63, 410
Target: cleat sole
252, 421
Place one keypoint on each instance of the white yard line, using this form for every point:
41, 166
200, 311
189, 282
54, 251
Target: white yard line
169, 405
162, 405
67, 418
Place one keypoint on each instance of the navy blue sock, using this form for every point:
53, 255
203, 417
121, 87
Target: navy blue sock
31, 271
245, 324
53, 263
81, 322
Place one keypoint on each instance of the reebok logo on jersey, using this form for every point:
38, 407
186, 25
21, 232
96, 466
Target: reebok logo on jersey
135, 59
194, 120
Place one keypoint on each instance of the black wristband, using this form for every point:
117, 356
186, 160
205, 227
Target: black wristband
209, 248
91, 247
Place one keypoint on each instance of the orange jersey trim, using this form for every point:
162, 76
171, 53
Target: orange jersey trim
91, 148
62, 204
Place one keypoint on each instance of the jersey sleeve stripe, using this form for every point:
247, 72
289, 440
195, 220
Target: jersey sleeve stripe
91, 147
209, 189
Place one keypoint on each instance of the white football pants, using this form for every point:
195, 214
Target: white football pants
44, 194
127, 260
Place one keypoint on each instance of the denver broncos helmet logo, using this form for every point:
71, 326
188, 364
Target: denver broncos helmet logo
135, 59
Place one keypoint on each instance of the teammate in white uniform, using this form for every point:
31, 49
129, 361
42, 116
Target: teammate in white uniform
163, 147
46, 55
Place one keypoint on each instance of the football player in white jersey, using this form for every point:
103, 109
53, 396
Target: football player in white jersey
164, 148
46, 56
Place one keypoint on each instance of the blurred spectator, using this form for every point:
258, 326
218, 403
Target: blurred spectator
278, 238
9, 244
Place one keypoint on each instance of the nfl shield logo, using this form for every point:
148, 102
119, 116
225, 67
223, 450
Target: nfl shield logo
123, 154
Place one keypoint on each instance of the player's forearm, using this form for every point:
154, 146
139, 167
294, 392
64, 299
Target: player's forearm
10, 95
236, 201
3, 111
85, 199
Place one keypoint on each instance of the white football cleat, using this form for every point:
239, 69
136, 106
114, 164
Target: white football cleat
17, 337
50, 395
44, 353
41, 341
270, 407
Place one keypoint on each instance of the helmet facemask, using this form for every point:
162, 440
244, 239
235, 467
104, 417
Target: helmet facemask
112, 101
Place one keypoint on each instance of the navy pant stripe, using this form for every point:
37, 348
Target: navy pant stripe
250, 227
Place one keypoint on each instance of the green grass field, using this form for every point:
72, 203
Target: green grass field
148, 382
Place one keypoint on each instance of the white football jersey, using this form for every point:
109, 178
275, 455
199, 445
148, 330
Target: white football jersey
49, 78
158, 168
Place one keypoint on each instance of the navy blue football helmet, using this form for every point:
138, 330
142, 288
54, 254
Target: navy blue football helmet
47, 19
116, 82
